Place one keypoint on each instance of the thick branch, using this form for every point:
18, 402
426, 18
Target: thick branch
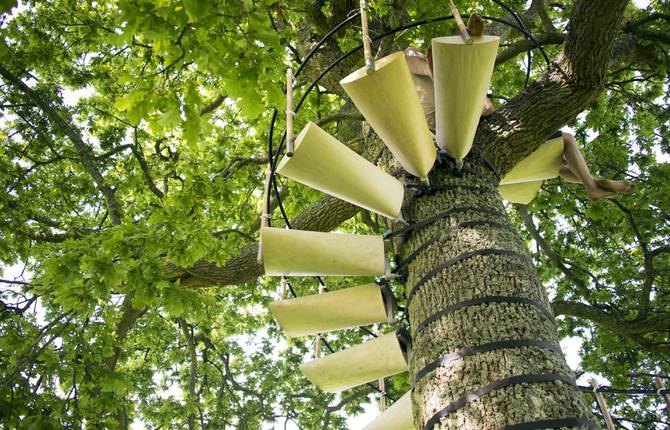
572, 81
354, 116
648, 282
193, 371
85, 153
541, 8
553, 38
146, 172
323, 215
41, 236
214, 105
632, 330
237, 162
128, 319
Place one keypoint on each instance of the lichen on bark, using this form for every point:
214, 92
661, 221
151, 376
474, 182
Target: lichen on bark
477, 277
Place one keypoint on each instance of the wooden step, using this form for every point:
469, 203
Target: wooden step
380, 357
543, 163
397, 417
389, 102
304, 253
324, 163
334, 310
462, 74
522, 192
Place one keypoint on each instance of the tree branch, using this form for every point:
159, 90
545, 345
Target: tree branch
632, 330
193, 371
126, 322
354, 116
40, 236
571, 82
541, 9
524, 45
323, 215
236, 162
146, 172
84, 151
213, 105
648, 281
550, 253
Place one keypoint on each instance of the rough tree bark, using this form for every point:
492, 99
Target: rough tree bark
474, 285
496, 265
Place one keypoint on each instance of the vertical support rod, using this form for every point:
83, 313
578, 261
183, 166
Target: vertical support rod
282, 288
602, 404
367, 49
289, 112
264, 212
382, 395
317, 346
461, 25
661, 386
382, 390
317, 343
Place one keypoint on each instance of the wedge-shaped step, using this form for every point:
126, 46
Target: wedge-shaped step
523, 182
324, 163
334, 310
397, 417
388, 101
304, 253
462, 76
522, 192
543, 163
378, 358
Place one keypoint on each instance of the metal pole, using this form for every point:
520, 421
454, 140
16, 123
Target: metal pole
317, 343
264, 212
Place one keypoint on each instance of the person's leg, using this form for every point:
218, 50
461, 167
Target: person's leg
567, 174
577, 171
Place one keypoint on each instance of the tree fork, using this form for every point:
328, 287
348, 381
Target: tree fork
480, 316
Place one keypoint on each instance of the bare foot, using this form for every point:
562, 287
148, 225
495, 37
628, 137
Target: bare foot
598, 193
488, 108
616, 186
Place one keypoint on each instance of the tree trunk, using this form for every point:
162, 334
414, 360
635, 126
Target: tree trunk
489, 317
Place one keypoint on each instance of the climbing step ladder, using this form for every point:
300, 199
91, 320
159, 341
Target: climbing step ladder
523, 182
380, 357
335, 310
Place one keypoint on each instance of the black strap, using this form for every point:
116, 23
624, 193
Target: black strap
418, 224
556, 135
552, 424
479, 301
461, 257
473, 350
421, 190
478, 393
492, 166
443, 157
404, 263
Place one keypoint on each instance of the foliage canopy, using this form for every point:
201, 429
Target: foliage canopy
133, 135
